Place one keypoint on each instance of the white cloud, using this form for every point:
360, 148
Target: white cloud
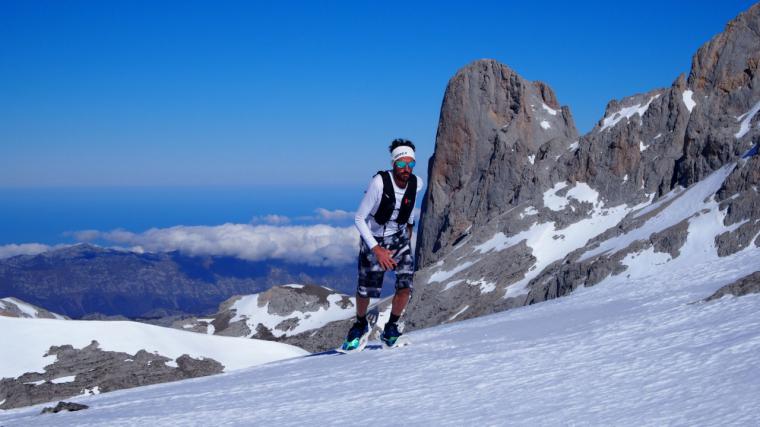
321, 215
271, 219
335, 215
11, 250
84, 235
314, 245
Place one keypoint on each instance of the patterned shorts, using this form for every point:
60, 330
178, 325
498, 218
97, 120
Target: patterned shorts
371, 273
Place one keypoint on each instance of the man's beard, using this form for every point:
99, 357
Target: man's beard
402, 176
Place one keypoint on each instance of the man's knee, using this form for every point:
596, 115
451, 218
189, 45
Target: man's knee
368, 292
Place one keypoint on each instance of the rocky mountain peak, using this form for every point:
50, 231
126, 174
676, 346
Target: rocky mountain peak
730, 60
495, 130
519, 209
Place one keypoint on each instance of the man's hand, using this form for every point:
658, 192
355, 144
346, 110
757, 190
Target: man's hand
384, 257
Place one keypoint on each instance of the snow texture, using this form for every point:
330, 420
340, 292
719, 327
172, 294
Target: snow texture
26, 340
27, 310
687, 100
442, 275
627, 113
552, 201
548, 109
549, 244
545, 124
686, 204
746, 120
252, 312
580, 192
637, 349
530, 210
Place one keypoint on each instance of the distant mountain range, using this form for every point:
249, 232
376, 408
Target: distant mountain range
86, 280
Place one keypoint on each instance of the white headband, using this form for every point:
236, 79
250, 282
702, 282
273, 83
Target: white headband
402, 151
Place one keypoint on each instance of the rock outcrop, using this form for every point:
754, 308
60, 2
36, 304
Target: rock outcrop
90, 370
314, 318
746, 285
519, 209
496, 137
14, 307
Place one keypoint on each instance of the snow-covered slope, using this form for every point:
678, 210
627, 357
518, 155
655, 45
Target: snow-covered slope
14, 307
25, 341
288, 313
254, 310
639, 348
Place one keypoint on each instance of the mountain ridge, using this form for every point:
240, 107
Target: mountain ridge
515, 200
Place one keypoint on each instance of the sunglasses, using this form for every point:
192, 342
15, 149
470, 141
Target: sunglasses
402, 164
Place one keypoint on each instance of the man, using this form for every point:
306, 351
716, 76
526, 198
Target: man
385, 223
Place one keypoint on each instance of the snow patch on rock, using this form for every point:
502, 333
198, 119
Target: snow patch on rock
442, 275
548, 109
687, 100
746, 119
627, 113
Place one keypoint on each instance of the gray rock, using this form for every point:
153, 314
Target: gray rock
749, 284
725, 80
289, 302
671, 239
740, 199
12, 307
497, 138
484, 180
95, 370
64, 406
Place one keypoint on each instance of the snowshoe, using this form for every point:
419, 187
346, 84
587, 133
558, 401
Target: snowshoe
356, 339
392, 337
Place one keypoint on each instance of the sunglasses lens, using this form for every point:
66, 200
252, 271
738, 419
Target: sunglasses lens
412, 163
402, 164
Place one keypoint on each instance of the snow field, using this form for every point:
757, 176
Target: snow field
637, 349
26, 340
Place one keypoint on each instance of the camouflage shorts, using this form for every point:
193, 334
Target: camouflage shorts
371, 274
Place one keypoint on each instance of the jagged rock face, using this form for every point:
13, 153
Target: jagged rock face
288, 313
633, 150
746, 285
499, 231
739, 197
730, 60
90, 370
495, 129
725, 81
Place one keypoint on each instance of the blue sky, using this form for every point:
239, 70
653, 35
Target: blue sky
159, 125
204, 94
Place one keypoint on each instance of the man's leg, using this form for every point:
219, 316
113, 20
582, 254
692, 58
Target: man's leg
370, 280
404, 279
361, 305
400, 300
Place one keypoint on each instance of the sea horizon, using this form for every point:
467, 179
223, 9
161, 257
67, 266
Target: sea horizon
53, 215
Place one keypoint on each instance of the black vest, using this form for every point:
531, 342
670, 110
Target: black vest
388, 200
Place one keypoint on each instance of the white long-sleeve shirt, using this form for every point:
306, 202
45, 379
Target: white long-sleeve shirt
365, 222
